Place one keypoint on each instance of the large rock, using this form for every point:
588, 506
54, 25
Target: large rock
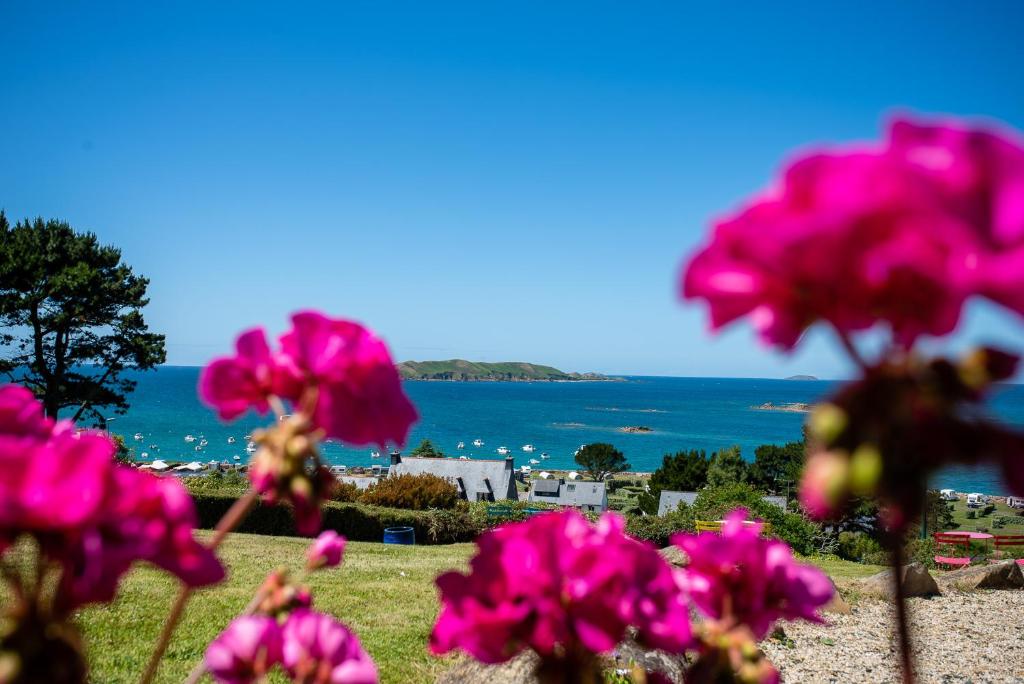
837, 604
915, 579
675, 556
1004, 575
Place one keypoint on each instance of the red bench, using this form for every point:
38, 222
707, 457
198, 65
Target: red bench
1004, 540
953, 541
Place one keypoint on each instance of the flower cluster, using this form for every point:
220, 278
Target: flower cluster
884, 435
900, 233
560, 586
311, 647
744, 583
342, 384
91, 517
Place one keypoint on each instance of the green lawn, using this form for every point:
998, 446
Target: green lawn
391, 613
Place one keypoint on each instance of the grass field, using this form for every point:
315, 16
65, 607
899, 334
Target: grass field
1015, 525
385, 593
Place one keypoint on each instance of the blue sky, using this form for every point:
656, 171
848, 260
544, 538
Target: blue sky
494, 181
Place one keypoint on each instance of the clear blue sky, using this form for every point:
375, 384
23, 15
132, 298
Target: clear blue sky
494, 181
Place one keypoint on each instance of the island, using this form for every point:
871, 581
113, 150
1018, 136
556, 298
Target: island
801, 377
633, 429
460, 370
793, 407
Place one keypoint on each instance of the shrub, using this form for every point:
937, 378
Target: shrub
714, 502
346, 491
413, 492
659, 529
989, 509
857, 546
358, 522
971, 515
231, 482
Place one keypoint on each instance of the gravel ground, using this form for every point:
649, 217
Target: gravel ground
960, 637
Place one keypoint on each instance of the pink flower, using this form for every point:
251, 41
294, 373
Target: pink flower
144, 517
978, 173
555, 580
851, 239
360, 399
320, 650
742, 578
326, 551
234, 384
51, 480
246, 651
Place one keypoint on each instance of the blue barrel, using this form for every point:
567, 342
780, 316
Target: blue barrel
399, 535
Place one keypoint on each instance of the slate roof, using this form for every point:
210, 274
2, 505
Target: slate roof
477, 479
589, 496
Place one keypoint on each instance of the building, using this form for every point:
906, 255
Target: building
476, 479
670, 501
360, 482
586, 496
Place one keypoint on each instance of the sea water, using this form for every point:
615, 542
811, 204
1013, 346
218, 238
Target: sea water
555, 417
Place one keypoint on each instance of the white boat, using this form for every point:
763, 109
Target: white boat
461, 445
478, 442
581, 448
250, 448
231, 440
463, 458
374, 454
529, 448
545, 455
534, 461
502, 450
189, 438
144, 454
138, 437
237, 458
203, 442
199, 447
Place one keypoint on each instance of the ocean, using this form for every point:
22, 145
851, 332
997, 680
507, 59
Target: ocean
683, 413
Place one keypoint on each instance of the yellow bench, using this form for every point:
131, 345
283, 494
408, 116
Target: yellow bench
716, 526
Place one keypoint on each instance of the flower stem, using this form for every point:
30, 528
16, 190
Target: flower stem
906, 658
232, 519
851, 350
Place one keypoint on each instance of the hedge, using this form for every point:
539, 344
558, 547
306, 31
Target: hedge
358, 522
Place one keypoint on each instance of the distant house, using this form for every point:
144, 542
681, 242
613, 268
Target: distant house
476, 479
361, 482
670, 501
586, 496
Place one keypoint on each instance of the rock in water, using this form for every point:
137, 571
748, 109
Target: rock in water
915, 579
1004, 575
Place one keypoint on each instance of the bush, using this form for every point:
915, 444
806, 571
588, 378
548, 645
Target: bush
357, 522
989, 509
413, 492
348, 492
803, 535
857, 546
229, 483
971, 515
659, 529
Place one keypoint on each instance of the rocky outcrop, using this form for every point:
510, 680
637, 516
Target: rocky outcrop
633, 429
1004, 575
915, 579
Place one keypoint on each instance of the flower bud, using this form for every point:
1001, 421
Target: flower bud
825, 483
827, 422
865, 469
326, 551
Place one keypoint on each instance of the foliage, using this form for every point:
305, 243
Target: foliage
426, 450
776, 469
601, 460
659, 529
228, 483
413, 492
124, 454
459, 369
726, 467
71, 318
971, 515
683, 471
989, 509
346, 491
856, 546
805, 536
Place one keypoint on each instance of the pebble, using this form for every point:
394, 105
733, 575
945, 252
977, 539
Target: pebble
975, 637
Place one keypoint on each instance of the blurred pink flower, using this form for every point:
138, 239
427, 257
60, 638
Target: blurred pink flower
326, 551
550, 581
51, 480
245, 651
317, 649
851, 239
234, 384
742, 578
978, 173
360, 398
143, 517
